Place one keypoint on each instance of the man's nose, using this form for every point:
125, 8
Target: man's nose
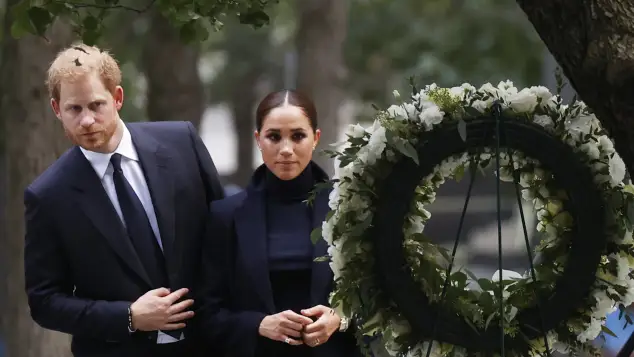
87, 119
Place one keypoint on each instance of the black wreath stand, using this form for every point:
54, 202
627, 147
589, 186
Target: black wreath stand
585, 205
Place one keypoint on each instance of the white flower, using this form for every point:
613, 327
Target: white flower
355, 131
506, 85
593, 330
416, 225
431, 116
327, 230
334, 197
411, 111
489, 89
528, 194
396, 94
541, 93
458, 92
604, 305
591, 149
336, 261
522, 102
397, 112
617, 169
506, 275
375, 147
482, 105
606, 144
544, 121
583, 124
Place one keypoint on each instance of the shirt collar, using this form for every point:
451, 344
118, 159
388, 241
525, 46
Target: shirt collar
101, 161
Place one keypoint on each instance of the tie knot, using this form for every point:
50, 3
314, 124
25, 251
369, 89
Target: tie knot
116, 162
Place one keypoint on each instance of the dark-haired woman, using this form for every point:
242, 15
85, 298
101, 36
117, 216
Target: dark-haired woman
265, 296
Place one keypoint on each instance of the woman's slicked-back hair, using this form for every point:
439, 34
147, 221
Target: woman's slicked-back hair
286, 97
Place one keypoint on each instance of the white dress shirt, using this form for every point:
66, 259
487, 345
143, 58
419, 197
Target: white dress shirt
134, 174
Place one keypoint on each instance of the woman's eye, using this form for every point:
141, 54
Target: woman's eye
273, 137
298, 136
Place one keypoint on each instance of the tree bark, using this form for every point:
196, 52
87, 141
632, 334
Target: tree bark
242, 101
35, 141
592, 41
175, 90
320, 37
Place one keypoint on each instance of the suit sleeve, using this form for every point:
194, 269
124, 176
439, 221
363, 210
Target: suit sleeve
207, 168
49, 285
232, 330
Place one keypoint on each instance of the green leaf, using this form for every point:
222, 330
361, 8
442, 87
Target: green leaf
405, 148
315, 235
459, 173
257, 18
90, 37
608, 331
462, 129
488, 321
486, 301
193, 31
40, 18
21, 22
472, 112
460, 279
486, 284
90, 23
471, 275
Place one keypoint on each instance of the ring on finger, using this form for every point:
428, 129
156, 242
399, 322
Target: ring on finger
287, 340
316, 342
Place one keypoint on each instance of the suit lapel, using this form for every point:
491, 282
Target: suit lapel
250, 225
321, 276
155, 162
97, 206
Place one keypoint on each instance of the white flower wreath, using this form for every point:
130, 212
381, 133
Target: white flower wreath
369, 153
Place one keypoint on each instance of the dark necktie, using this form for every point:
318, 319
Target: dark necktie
140, 231
138, 227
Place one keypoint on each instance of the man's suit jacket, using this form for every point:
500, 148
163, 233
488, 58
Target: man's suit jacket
82, 272
237, 293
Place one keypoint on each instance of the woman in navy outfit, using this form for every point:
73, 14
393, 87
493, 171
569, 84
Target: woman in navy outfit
265, 295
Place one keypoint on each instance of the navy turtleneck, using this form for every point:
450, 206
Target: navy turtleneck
290, 251
289, 221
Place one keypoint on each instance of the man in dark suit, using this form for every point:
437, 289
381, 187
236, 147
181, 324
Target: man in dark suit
114, 227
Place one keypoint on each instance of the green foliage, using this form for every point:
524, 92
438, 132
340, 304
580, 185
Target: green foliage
194, 19
442, 41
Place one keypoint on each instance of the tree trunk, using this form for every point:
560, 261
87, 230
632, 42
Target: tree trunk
175, 90
592, 41
36, 140
242, 101
319, 41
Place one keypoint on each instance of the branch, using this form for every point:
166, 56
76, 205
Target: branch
78, 5
592, 40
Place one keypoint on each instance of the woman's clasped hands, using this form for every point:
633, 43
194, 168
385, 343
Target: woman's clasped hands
295, 329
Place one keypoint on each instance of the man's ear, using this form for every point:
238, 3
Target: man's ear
56, 110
